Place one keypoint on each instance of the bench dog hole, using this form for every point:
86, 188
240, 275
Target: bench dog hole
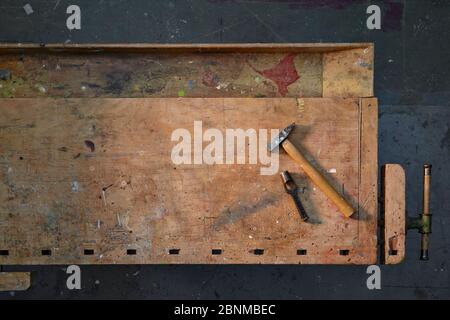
46, 252
258, 252
174, 251
393, 252
4, 252
88, 252
344, 252
302, 252
131, 252
216, 251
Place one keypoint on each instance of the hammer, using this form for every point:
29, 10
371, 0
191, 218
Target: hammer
316, 177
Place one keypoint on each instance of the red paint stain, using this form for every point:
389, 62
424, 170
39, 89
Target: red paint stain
283, 74
210, 79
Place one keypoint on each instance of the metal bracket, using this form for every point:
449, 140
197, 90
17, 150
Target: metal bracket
394, 222
423, 222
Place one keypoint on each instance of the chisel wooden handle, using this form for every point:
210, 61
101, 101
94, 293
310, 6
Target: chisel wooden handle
318, 179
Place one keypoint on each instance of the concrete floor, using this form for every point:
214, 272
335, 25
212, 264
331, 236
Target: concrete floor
411, 82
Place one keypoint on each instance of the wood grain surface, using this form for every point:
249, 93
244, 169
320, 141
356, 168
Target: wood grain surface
15, 281
150, 70
91, 181
394, 198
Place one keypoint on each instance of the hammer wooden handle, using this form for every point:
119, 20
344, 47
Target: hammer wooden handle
318, 179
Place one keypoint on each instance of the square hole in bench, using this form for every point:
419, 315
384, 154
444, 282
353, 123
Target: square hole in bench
393, 252
258, 252
131, 252
88, 252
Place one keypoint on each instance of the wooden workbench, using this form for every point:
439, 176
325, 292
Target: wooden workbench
97, 174
86, 175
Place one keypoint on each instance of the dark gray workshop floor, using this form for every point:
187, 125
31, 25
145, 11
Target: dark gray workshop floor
411, 82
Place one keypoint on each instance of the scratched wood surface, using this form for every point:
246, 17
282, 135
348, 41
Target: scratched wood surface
394, 213
15, 281
92, 181
252, 70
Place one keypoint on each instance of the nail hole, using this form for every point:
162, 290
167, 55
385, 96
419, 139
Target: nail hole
131, 252
174, 251
20, 158
344, 252
216, 251
46, 252
88, 252
258, 252
392, 252
4, 253
301, 252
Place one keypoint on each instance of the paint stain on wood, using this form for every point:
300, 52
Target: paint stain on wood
283, 74
90, 145
5, 74
210, 79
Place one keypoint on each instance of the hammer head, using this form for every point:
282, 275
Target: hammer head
281, 137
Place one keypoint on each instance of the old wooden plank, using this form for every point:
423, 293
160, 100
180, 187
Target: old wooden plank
348, 73
92, 181
394, 209
15, 281
184, 47
367, 202
162, 75
267, 70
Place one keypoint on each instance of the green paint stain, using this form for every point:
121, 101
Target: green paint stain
8, 88
181, 93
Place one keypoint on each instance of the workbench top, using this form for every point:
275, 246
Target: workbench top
95, 181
